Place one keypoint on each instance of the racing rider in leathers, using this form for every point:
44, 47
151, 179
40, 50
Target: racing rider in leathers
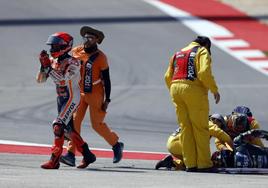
245, 154
241, 120
64, 70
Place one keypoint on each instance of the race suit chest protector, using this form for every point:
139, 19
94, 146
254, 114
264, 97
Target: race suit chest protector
88, 73
184, 65
66, 75
61, 88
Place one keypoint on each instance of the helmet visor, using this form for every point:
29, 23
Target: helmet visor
55, 40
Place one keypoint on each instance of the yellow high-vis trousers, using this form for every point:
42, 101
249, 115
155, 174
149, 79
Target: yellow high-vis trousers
192, 108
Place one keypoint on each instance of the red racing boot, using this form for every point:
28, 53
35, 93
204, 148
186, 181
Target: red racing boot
88, 157
53, 163
82, 147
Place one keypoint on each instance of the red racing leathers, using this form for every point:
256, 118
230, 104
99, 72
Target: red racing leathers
65, 72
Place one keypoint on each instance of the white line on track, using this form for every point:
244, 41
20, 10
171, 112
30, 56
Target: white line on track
233, 43
248, 53
198, 25
18, 143
212, 30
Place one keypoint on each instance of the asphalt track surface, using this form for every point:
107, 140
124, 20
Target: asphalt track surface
139, 41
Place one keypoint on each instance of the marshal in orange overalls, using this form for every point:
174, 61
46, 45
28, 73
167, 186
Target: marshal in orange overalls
92, 101
95, 89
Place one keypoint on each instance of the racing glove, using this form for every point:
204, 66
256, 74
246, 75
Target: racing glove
259, 133
44, 59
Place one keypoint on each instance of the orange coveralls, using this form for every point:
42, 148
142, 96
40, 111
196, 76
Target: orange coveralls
93, 100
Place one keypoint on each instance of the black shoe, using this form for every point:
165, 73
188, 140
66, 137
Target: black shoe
68, 159
193, 169
118, 152
166, 162
208, 170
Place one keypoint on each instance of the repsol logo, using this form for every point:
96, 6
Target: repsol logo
69, 112
87, 80
191, 68
88, 65
88, 74
191, 71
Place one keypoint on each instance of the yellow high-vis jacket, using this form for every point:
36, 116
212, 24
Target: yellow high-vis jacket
203, 70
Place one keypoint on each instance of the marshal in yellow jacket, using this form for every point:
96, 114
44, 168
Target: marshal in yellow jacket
189, 94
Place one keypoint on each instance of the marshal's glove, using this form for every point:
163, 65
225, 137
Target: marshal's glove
44, 59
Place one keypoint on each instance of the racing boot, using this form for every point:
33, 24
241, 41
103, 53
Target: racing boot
88, 157
68, 159
53, 163
166, 162
118, 152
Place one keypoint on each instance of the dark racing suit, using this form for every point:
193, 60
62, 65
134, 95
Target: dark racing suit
247, 155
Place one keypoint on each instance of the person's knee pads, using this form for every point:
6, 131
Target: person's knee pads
58, 128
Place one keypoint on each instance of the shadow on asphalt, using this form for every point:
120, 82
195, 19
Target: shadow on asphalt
113, 20
127, 169
113, 170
